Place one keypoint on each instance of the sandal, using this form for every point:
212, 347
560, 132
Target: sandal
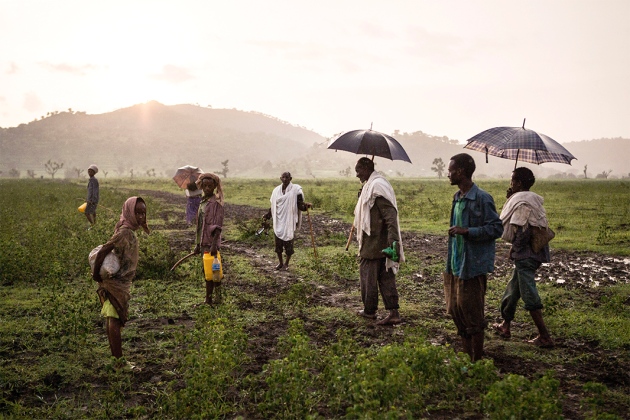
364, 315
539, 342
499, 330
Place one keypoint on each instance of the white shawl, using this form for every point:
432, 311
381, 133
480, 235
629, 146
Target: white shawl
375, 186
286, 216
524, 208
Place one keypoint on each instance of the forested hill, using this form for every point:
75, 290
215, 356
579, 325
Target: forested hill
155, 136
152, 139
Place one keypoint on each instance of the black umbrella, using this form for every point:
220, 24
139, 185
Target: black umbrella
519, 143
370, 142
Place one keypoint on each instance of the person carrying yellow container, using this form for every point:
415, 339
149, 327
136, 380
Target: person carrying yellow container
209, 227
92, 196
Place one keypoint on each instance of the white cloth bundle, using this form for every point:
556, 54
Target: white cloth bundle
110, 266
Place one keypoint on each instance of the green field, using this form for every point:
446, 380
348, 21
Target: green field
284, 347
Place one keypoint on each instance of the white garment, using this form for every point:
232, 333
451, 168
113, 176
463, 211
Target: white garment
195, 193
284, 210
376, 186
524, 208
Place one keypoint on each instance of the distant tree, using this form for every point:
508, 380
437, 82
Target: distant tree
585, 166
105, 173
439, 167
14, 173
52, 167
225, 169
603, 174
30, 173
131, 173
346, 172
151, 172
78, 171
400, 174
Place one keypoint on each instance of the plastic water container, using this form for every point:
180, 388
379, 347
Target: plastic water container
207, 265
82, 208
216, 270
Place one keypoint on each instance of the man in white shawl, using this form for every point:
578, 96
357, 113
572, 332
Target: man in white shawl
522, 213
377, 226
287, 205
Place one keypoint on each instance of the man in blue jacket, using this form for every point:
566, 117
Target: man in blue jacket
474, 228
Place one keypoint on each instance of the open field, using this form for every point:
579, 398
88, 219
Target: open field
288, 345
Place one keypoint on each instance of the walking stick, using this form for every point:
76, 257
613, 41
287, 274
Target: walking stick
350, 237
182, 260
308, 215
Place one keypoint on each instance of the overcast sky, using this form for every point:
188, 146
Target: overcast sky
447, 68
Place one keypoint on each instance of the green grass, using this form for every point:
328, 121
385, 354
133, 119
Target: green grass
322, 362
587, 215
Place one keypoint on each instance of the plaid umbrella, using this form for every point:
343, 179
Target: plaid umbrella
519, 143
186, 174
370, 142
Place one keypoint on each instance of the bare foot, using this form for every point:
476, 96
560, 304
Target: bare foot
545, 343
285, 267
279, 266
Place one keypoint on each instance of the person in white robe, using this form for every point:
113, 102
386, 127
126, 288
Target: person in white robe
287, 205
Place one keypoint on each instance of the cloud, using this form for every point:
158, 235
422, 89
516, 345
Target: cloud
68, 68
13, 68
32, 103
173, 74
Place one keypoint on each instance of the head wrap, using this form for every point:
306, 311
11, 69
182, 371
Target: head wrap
217, 182
128, 215
94, 168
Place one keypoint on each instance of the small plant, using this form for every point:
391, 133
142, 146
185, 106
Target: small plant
603, 234
515, 397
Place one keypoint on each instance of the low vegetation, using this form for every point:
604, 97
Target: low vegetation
290, 346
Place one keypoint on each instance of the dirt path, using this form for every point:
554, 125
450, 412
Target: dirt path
570, 270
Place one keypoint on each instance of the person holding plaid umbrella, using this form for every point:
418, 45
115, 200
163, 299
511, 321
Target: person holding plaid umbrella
522, 214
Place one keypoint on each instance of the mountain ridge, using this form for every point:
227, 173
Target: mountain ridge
153, 138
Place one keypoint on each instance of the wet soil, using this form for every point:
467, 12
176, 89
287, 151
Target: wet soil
583, 272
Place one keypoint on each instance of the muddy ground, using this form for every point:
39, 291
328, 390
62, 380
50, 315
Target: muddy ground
589, 272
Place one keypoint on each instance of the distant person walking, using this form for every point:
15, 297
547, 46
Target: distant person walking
113, 291
287, 203
377, 226
210, 224
474, 228
92, 196
523, 216
193, 199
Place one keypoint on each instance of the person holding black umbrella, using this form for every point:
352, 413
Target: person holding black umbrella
475, 226
380, 249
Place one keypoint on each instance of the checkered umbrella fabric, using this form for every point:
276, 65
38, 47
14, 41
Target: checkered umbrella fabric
186, 174
519, 143
370, 142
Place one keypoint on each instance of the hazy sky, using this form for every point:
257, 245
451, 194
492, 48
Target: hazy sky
447, 68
